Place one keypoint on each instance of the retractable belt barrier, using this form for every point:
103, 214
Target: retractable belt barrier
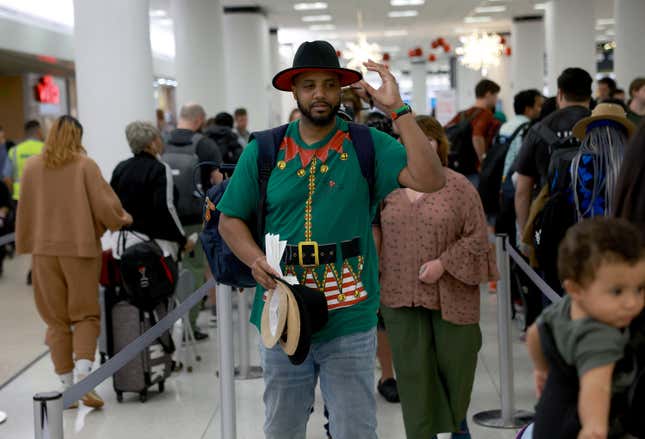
7, 239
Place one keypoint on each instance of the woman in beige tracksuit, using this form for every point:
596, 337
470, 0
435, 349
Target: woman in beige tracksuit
65, 207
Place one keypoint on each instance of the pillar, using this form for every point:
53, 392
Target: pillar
248, 66
570, 38
276, 65
113, 74
501, 74
199, 54
527, 58
630, 50
465, 81
419, 86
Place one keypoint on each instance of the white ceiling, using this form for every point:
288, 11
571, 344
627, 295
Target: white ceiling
436, 18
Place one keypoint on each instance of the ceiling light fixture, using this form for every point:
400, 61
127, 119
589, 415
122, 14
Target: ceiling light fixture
539, 6
407, 2
482, 19
489, 9
158, 13
402, 14
479, 52
310, 6
319, 27
391, 49
315, 18
605, 21
396, 33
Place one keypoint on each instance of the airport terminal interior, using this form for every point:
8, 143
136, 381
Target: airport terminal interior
119, 89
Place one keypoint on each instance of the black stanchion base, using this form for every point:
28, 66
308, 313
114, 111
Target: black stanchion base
493, 419
255, 372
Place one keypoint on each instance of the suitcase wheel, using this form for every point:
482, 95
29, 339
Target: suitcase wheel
119, 396
143, 396
162, 386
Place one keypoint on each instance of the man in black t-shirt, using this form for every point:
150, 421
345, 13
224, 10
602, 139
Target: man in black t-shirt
574, 95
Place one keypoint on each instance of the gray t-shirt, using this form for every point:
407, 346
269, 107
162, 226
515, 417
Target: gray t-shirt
584, 343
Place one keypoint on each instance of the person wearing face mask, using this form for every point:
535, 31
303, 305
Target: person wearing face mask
144, 184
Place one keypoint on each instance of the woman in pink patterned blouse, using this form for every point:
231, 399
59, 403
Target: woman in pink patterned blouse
434, 255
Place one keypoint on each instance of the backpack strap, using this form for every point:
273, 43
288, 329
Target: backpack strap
517, 131
269, 142
364, 146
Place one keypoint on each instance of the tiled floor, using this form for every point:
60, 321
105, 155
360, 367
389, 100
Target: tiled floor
190, 408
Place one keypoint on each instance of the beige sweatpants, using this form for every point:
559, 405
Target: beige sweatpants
66, 294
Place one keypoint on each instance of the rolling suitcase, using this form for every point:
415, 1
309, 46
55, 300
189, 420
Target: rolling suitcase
154, 364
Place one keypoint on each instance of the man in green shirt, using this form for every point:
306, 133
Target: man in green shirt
316, 197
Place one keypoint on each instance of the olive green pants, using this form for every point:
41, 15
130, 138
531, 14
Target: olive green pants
435, 364
196, 263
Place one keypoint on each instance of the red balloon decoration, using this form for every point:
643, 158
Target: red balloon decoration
502, 40
434, 44
508, 51
417, 51
441, 41
432, 57
386, 57
447, 48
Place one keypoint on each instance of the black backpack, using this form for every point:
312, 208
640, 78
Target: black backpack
462, 156
148, 277
492, 170
227, 269
559, 213
227, 142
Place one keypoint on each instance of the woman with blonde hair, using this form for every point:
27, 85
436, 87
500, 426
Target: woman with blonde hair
434, 255
65, 207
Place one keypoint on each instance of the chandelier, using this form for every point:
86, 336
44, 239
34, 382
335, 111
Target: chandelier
479, 52
362, 51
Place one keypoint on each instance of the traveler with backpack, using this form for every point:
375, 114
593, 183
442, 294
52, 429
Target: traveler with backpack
552, 133
220, 130
186, 148
65, 207
317, 183
587, 379
502, 153
636, 105
434, 255
471, 132
241, 125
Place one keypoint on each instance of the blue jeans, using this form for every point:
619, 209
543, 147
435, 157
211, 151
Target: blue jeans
345, 366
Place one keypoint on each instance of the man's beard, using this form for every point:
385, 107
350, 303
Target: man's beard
320, 121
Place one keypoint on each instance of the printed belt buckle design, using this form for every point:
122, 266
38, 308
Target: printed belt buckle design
308, 254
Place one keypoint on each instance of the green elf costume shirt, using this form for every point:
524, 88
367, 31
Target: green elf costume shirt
318, 193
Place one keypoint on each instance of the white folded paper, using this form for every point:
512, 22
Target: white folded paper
274, 251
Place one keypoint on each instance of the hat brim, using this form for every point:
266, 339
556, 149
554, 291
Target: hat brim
284, 79
272, 316
580, 128
289, 342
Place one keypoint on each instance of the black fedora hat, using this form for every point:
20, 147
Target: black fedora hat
314, 56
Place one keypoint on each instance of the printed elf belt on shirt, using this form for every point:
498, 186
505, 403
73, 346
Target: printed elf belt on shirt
343, 288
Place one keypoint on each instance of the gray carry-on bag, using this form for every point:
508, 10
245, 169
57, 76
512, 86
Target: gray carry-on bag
154, 364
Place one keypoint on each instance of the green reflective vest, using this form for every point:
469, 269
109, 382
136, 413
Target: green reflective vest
18, 156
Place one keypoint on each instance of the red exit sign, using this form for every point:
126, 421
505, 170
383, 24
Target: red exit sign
47, 91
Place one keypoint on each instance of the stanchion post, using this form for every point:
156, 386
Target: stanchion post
245, 371
226, 361
507, 417
48, 415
